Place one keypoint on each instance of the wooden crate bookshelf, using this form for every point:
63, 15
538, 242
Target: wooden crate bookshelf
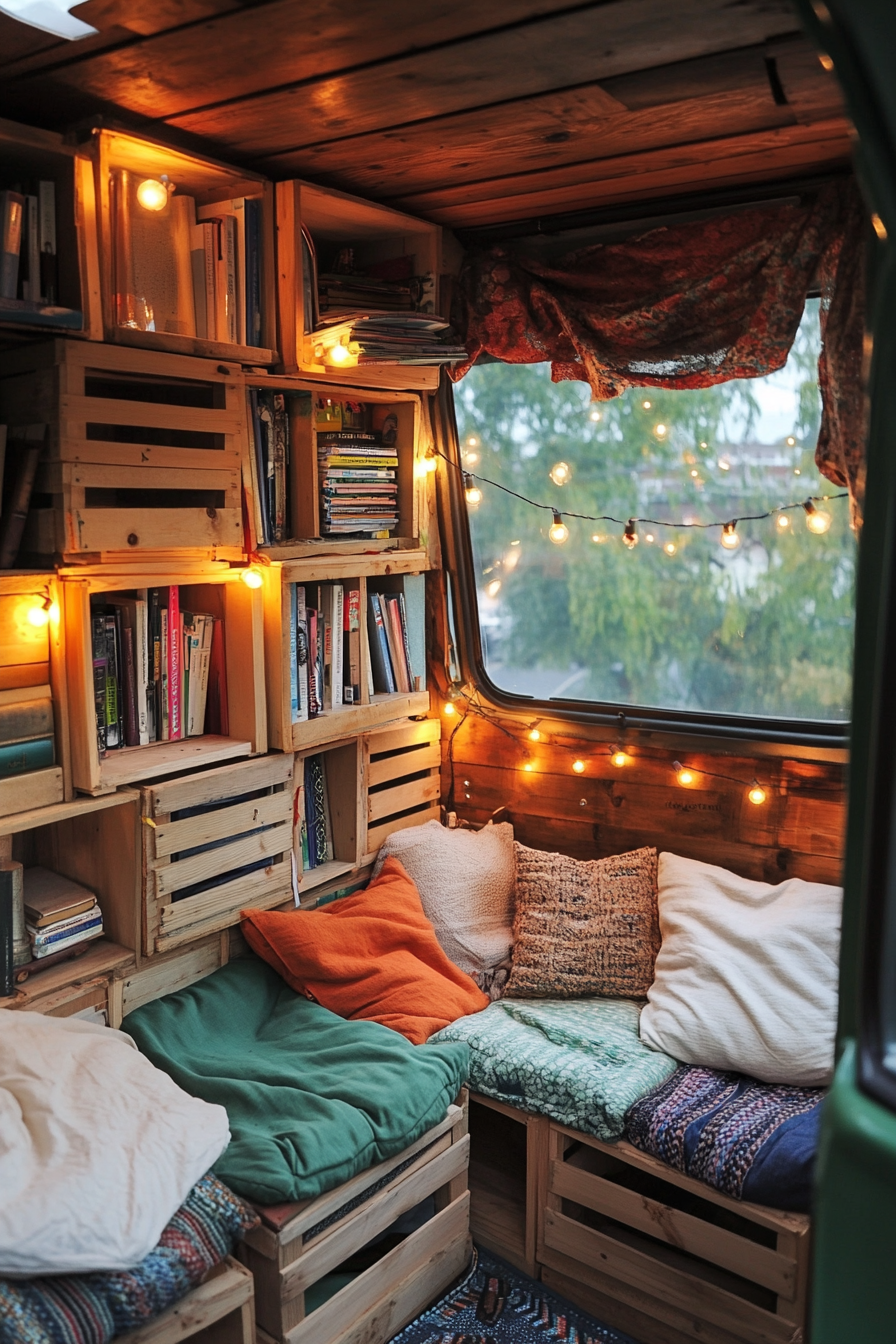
30, 155
214, 589
208, 182
94, 841
31, 658
303, 481
186, 824
401, 774
143, 452
285, 734
375, 232
345, 800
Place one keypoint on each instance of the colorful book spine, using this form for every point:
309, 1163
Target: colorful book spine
25, 756
175, 724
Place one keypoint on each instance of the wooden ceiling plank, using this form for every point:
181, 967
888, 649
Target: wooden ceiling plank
555, 129
721, 72
146, 17
519, 197
812, 91
573, 48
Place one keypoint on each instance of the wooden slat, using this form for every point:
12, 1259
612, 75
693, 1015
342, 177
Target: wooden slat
681, 1289
169, 974
407, 763
212, 911
150, 414
221, 1294
377, 834
696, 1236
576, 47
167, 758
174, 876
351, 719
94, 530
172, 836
39, 789
408, 735
389, 801
216, 785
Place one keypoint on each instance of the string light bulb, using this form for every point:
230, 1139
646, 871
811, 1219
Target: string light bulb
339, 353
534, 733
558, 531
647, 405
684, 776
660, 431
618, 758
649, 537
579, 767
817, 520
493, 588
783, 522
153, 193
528, 766
449, 709
729, 538
790, 441
560, 473
757, 794
597, 538
630, 536
724, 465
42, 613
472, 441
670, 548
471, 491
595, 415
252, 577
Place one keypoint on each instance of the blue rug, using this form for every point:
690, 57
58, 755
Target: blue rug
497, 1304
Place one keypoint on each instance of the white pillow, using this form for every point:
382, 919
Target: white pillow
746, 977
98, 1147
465, 879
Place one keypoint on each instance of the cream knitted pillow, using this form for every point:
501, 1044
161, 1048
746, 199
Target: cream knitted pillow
465, 879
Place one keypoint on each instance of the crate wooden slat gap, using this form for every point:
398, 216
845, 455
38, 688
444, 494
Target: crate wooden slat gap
401, 772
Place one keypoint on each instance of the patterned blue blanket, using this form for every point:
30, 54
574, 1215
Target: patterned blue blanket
751, 1140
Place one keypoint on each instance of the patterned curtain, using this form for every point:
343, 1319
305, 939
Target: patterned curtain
691, 305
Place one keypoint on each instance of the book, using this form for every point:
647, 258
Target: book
302, 654
230, 217
279, 454
26, 720
65, 928
202, 290
94, 930
29, 258
351, 655
380, 661
114, 735
164, 673
98, 641
217, 718
46, 211
50, 897
293, 656
335, 621
395, 639
253, 245
142, 664
23, 757
126, 609
175, 724
12, 211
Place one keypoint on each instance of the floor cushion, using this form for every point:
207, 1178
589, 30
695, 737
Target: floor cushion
373, 956
465, 879
312, 1099
579, 1061
98, 1149
751, 1140
747, 975
96, 1308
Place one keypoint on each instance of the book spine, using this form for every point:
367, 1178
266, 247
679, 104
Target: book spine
205, 653
228, 229
381, 667
392, 623
253, 272
113, 685
163, 675
23, 757
278, 465
351, 653
197, 272
175, 731
210, 241
293, 657
46, 206
315, 703
30, 252
403, 617
47, 939
129, 687
98, 631
153, 693
301, 653
11, 879
26, 721
143, 679
337, 620
218, 716
81, 936
12, 210
63, 927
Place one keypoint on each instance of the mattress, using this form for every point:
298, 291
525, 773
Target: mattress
751, 1140
580, 1061
311, 1098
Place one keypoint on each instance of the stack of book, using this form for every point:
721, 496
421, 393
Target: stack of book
158, 671
271, 416
59, 913
317, 832
391, 338
325, 648
358, 489
339, 294
26, 730
390, 650
29, 282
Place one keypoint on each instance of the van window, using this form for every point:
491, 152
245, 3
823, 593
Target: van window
755, 621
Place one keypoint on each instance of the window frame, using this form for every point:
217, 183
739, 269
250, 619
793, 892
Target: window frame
664, 725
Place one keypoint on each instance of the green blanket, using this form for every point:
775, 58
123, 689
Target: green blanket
577, 1060
312, 1099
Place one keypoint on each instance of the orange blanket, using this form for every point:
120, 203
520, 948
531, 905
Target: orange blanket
373, 955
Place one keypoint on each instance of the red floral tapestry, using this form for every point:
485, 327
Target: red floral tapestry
690, 305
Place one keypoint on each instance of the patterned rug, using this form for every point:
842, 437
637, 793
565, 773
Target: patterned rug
496, 1304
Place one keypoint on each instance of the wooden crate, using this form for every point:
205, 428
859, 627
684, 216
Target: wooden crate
692, 1262
28, 153
144, 451
331, 724
375, 233
345, 796
185, 821
220, 1310
507, 1149
401, 772
208, 181
209, 588
298, 1245
32, 656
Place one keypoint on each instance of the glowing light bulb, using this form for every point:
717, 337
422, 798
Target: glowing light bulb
472, 492
619, 759
783, 522
630, 536
684, 776
797, 472
757, 794
472, 441
40, 615
558, 531
648, 536
729, 538
429, 463
560, 473
694, 473
339, 353
660, 431
471, 459
724, 465
879, 227
528, 766
647, 405
579, 767
494, 588
534, 735
826, 62
596, 538
670, 548
790, 441
448, 709
595, 416
703, 445
153, 195
817, 520
251, 578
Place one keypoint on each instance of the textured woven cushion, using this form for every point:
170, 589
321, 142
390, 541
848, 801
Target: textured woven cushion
584, 927
746, 978
95, 1308
465, 881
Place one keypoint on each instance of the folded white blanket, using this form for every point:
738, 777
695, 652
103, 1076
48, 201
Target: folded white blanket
98, 1148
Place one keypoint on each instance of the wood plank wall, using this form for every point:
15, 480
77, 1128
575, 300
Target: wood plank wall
797, 832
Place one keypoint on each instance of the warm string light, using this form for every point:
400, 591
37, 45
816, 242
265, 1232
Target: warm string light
560, 473
471, 491
729, 538
252, 577
687, 777
558, 532
42, 613
817, 520
630, 536
153, 193
578, 766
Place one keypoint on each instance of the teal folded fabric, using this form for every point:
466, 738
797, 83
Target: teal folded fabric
580, 1061
312, 1099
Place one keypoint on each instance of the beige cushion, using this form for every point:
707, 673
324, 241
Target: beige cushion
746, 978
465, 880
584, 927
